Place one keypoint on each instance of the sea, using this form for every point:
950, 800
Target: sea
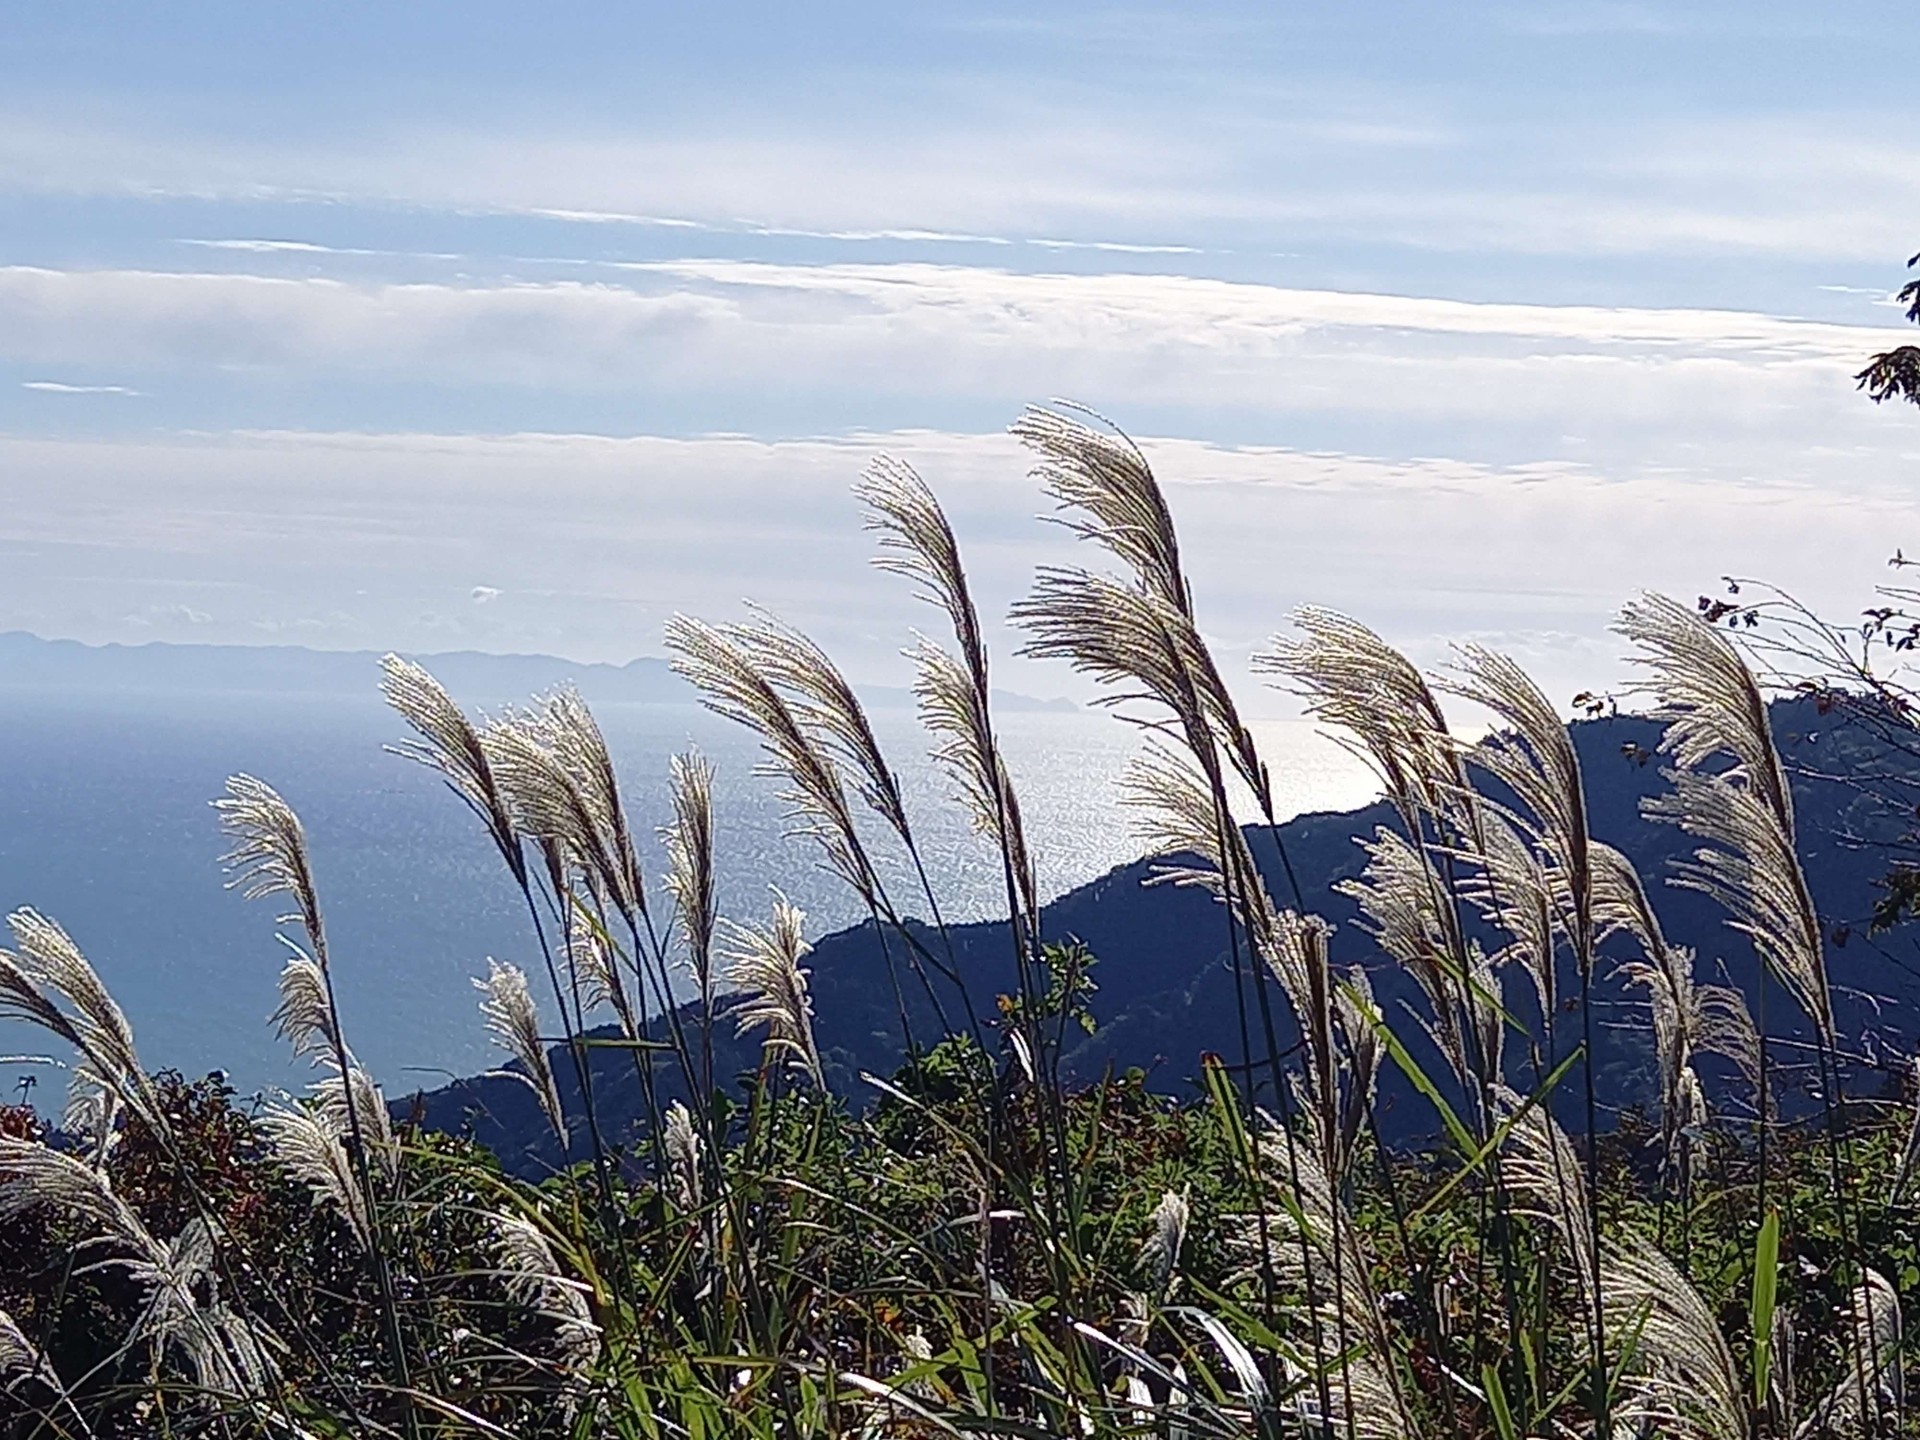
106, 826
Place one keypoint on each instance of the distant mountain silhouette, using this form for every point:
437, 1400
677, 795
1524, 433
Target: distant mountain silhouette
28, 662
1167, 993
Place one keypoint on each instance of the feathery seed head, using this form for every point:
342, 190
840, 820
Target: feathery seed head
48, 968
682, 1144
331, 1098
533, 1277
1103, 474
916, 541
18, 1354
269, 854
308, 1144
689, 878
1161, 1252
514, 1023
825, 703
450, 743
304, 1017
717, 662
764, 965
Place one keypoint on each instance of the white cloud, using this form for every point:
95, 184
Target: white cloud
484, 594
1600, 378
58, 387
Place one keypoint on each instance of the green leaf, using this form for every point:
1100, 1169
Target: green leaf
1766, 1277
1462, 1136
1478, 1157
1497, 1403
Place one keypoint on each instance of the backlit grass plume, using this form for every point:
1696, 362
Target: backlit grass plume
48, 982
1311, 1234
722, 668
1743, 811
269, 855
581, 750
1104, 476
514, 1023
955, 693
308, 1143
538, 764
952, 710
1380, 707
534, 1277
763, 965
689, 876
824, 700
450, 743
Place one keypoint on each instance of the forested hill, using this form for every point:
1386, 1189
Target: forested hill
1166, 989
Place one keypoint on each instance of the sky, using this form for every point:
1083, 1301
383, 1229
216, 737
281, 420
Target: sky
520, 328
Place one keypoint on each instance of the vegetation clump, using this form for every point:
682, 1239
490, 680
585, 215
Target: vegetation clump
973, 1243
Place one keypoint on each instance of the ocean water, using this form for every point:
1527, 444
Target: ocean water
105, 826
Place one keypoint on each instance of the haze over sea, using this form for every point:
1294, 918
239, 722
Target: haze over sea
107, 829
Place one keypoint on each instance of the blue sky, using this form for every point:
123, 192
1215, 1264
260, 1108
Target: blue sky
517, 328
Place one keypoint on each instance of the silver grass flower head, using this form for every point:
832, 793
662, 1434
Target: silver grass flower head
308, 1146
825, 702
1621, 905
92, 1112
690, 875
332, 1096
1748, 866
591, 952
1674, 1007
513, 1021
1706, 694
764, 966
1360, 1021
1512, 889
581, 749
533, 1277
1398, 894
34, 1177
1870, 1389
545, 797
1103, 474
1179, 821
916, 541
955, 713
1533, 756
47, 968
174, 1320
1160, 1254
1356, 682
304, 1017
450, 743
1308, 1228
1147, 649
18, 1354
269, 855
1679, 1375
1546, 1182
1724, 1026
731, 685
1713, 706
682, 1144
954, 694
